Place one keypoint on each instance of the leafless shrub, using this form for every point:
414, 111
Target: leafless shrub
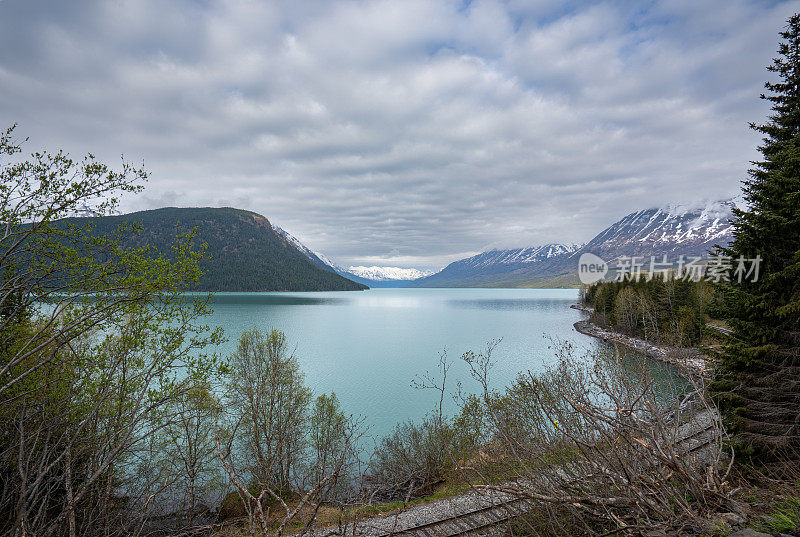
599, 446
416, 457
284, 456
410, 461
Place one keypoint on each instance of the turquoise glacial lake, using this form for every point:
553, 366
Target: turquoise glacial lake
368, 346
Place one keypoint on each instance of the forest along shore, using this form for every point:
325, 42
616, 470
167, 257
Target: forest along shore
689, 361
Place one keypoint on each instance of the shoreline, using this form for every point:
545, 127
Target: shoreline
688, 361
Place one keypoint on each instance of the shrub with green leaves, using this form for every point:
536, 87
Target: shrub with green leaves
96, 342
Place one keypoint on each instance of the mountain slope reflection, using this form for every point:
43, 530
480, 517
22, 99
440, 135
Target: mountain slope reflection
512, 304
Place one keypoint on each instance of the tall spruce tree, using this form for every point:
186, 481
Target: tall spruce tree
758, 378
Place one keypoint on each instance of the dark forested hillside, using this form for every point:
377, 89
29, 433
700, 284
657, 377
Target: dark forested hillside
244, 252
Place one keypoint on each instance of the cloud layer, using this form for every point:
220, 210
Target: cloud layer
407, 133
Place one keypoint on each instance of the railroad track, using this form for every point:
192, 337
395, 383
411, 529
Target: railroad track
466, 523
722, 329
697, 434
502, 512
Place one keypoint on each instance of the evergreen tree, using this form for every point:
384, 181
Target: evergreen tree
758, 378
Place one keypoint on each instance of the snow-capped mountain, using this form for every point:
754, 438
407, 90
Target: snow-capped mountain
502, 259
672, 230
488, 268
388, 273
689, 230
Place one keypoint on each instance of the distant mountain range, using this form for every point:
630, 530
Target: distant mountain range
671, 231
246, 253
498, 267
388, 273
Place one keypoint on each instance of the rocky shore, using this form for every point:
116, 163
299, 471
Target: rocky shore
688, 360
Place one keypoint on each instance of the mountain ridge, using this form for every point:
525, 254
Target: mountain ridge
688, 230
490, 267
659, 231
246, 253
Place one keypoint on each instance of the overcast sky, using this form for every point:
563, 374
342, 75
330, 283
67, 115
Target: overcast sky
403, 132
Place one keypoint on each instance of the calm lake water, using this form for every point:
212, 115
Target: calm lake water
368, 346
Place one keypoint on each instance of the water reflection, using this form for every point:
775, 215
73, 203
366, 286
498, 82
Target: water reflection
513, 304
368, 346
668, 383
275, 299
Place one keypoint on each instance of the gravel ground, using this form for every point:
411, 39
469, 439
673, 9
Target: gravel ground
419, 514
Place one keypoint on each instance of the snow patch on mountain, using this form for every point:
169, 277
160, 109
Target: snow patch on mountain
294, 241
520, 256
690, 229
328, 261
305, 250
378, 274
388, 273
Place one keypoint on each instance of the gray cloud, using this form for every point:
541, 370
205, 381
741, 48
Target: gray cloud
427, 129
